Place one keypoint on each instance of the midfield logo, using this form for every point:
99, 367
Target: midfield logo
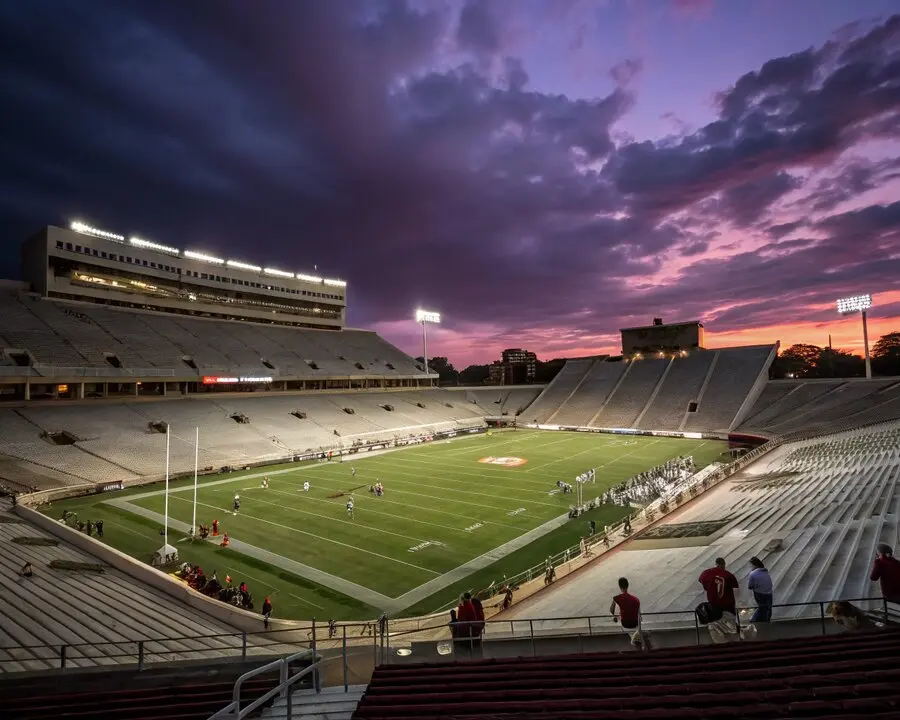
505, 461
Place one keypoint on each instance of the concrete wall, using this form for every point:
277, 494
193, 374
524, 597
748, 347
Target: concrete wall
240, 620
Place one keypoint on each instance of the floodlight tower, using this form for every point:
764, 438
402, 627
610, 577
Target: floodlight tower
859, 304
425, 317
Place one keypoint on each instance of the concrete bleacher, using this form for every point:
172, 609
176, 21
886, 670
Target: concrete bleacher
114, 440
108, 611
789, 407
625, 405
558, 391
826, 502
82, 335
594, 390
735, 373
502, 400
681, 386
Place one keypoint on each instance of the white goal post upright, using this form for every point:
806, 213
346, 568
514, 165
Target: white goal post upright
196, 465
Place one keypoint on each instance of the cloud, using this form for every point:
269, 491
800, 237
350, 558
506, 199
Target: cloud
407, 147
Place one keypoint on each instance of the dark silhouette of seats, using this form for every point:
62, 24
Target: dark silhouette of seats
839, 677
184, 702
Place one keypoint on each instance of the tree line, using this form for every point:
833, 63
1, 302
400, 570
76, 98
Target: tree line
797, 361
812, 361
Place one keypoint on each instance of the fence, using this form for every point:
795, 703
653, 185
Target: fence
380, 638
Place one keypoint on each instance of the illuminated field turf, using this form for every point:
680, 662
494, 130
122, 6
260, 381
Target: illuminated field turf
443, 507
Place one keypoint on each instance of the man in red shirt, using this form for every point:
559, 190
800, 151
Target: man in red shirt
887, 570
720, 586
629, 614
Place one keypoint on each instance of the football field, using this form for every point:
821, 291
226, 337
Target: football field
455, 514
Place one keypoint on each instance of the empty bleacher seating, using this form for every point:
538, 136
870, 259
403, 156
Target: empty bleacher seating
680, 387
114, 440
625, 405
827, 677
736, 372
558, 391
826, 503
82, 335
594, 390
98, 616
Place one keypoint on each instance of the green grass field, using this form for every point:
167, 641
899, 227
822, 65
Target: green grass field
442, 508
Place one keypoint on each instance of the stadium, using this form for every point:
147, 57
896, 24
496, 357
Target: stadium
166, 410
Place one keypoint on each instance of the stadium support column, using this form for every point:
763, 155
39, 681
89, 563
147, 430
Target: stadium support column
81, 391
27, 388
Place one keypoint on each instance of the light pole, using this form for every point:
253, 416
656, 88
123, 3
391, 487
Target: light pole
859, 304
425, 317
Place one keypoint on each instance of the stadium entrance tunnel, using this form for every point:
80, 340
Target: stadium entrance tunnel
350, 411
389, 408
240, 418
63, 437
157, 427
299, 414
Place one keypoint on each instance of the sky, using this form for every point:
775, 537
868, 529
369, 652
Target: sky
542, 173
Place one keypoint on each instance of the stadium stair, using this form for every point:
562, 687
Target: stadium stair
844, 676
329, 704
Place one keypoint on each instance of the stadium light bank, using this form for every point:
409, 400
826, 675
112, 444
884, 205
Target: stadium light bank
425, 317
85, 229
859, 304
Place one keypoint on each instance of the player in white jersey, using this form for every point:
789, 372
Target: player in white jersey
353, 471
306, 486
265, 483
350, 507
237, 503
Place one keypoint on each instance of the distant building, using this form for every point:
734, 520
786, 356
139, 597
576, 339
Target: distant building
659, 337
516, 367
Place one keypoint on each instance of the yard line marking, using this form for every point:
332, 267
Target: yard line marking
369, 510
499, 475
129, 530
446, 488
308, 602
318, 537
331, 519
243, 575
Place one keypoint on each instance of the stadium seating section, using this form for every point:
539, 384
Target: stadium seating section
115, 440
842, 677
98, 615
795, 407
655, 393
79, 335
813, 510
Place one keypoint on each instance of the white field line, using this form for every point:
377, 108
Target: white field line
307, 602
480, 478
321, 482
369, 510
318, 537
446, 489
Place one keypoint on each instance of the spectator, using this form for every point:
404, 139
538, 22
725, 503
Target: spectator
266, 612
99, 526
454, 625
887, 570
467, 617
720, 585
629, 615
760, 584
478, 626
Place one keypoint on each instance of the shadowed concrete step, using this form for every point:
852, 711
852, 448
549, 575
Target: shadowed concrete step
330, 704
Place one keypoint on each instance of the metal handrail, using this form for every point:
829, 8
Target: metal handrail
233, 709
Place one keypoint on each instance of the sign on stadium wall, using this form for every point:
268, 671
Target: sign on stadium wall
220, 380
631, 431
